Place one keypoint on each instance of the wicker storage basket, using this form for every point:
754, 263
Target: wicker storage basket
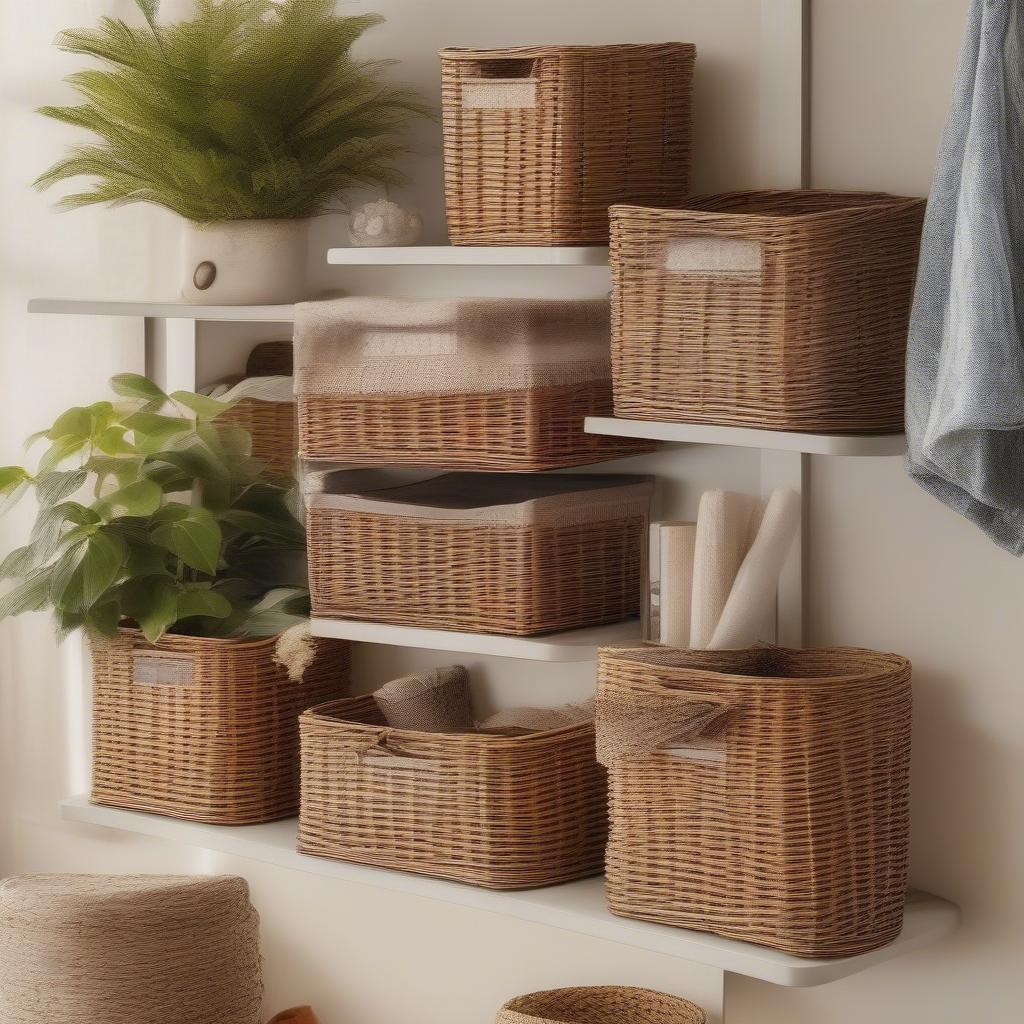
486, 384
540, 140
482, 553
760, 794
600, 1004
272, 426
499, 811
778, 310
203, 729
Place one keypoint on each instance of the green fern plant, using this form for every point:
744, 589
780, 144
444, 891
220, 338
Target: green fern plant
253, 109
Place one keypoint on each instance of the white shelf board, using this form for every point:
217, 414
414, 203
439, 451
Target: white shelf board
745, 437
470, 256
574, 645
575, 906
166, 310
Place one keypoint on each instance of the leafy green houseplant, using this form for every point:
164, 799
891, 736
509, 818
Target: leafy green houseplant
154, 513
245, 120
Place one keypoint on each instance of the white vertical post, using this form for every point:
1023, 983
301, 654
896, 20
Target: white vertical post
789, 469
171, 352
785, 94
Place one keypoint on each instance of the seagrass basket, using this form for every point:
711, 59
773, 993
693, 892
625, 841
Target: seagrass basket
600, 1004
759, 794
481, 384
203, 729
272, 427
540, 140
501, 811
777, 310
516, 554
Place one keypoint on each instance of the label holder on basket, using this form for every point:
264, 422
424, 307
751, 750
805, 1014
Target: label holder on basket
162, 669
502, 85
714, 254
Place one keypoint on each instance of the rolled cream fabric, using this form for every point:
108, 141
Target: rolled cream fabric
128, 949
727, 523
677, 546
756, 585
434, 701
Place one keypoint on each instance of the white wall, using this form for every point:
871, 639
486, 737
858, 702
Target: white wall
888, 566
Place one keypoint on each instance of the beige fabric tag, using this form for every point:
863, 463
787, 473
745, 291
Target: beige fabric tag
162, 669
713, 254
500, 94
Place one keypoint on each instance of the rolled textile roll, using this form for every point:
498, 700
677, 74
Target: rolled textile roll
434, 701
540, 719
677, 547
128, 949
727, 523
757, 582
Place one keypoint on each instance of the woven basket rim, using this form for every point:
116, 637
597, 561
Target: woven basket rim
323, 713
522, 1005
879, 202
576, 50
176, 641
882, 662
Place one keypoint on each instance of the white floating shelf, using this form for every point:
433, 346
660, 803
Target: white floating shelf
575, 645
575, 907
745, 437
470, 256
166, 310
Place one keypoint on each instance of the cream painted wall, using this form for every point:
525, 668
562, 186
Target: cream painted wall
888, 566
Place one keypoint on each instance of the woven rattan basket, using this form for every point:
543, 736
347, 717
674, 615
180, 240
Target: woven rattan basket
484, 384
499, 811
778, 310
540, 140
483, 553
272, 427
203, 729
600, 1004
761, 794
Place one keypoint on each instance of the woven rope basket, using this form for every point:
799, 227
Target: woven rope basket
498, 811
521, 555
128, 949
540, 140
272, 427
781, 816
778, 310
203, 729
600, 1004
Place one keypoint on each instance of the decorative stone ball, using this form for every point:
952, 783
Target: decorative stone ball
384, 223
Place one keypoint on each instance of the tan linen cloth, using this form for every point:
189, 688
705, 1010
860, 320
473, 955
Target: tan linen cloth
128, 949
540, 719
434, 701
403, 346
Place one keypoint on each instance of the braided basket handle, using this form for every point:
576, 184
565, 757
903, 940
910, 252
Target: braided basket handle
381, 751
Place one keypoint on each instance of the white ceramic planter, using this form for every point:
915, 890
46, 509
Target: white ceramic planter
244, 262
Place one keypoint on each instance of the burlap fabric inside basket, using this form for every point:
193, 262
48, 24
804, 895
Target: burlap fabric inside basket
434, 701
128, 949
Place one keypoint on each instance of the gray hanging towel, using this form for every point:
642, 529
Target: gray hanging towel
965, 356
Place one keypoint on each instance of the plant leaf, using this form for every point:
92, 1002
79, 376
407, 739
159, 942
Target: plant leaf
57, 485
141, 498
203, 602
31, 595
134, 385
86, 571
203, 406
162, 610
193, 535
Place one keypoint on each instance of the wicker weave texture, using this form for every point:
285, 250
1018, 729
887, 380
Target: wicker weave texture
778, 310
523, 431
477, 578
221, 746
272, 426
600, 1004
540, 141
502, 812
797, 838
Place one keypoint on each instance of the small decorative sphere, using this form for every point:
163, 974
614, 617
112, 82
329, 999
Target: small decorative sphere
384, 223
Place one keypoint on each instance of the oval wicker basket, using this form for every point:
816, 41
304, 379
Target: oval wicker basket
540, 140
600, 1004
203, 729
777, 310
781, 786
498, 811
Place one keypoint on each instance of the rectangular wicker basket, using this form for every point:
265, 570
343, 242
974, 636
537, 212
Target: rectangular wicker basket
498, 811
777, 310
483, 384
540, 140
272, 427
203, 729
762, 795
491, 553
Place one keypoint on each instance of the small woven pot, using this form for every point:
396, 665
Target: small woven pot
128, 949
203, 729
600, 1004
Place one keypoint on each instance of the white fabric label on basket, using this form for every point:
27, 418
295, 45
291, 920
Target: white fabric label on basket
392, 344
713, 254
503, 94
162, 670
711, 751
390, 761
